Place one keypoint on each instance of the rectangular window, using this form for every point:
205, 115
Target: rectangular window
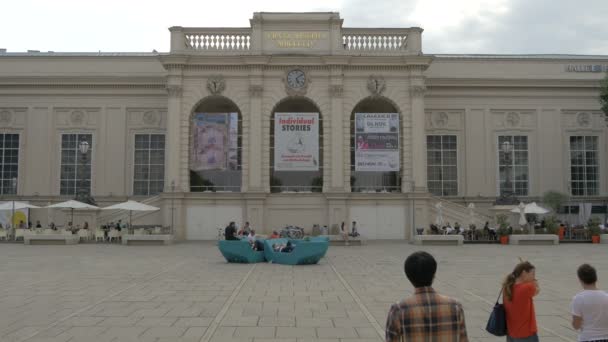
584, 166
442, 165
9, 163
513, 165
75, 167
149, 164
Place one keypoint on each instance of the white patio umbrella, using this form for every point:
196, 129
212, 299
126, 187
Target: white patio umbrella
439, 219
530, 208
522, 214
16, 205
72, 204
131, 206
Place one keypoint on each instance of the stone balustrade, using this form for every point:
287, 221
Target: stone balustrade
381, 40
249, 41
211, 39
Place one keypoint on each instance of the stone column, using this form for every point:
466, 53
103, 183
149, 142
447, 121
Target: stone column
337, 137
418, 138
254, 161
172, 139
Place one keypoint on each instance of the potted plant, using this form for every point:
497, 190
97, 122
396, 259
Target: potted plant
503, 229
551, 225
594, 230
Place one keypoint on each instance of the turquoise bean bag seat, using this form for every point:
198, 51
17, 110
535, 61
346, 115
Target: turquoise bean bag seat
239, 251
305, 252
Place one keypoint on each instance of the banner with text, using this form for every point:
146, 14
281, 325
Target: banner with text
376, 142
296, 141
214, 141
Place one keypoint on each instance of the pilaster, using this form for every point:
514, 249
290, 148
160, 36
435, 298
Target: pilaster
173, 156
417, 90
336, 90
254, 150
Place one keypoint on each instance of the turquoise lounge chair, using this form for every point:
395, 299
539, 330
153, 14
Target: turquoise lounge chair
305, 252
239, 251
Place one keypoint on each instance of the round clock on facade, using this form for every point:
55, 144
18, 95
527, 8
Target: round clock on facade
296, 79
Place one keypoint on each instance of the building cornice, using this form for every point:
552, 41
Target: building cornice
509, 83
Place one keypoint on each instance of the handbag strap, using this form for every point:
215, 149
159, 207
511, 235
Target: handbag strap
499, 294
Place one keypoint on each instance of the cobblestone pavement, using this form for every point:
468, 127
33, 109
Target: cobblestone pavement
187, 292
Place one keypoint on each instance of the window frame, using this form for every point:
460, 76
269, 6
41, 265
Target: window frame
3, 149
442, 165
513, 166
584, 166
76, 164
135, 164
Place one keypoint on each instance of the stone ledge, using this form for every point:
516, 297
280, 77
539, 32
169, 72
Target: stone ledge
153, 239
452, 240
536, 239
50, 239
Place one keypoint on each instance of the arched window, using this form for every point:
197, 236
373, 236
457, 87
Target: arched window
375, 147
296, 140
216, 146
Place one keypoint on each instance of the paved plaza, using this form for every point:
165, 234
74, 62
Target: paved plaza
187, 292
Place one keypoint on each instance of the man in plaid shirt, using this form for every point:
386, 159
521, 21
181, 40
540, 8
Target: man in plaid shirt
426, 316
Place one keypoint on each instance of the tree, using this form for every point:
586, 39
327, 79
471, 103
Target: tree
604, 95
554, 200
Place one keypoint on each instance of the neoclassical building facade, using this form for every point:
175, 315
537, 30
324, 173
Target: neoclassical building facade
300, 120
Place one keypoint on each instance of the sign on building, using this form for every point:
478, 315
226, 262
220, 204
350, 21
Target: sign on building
214, 141
376, 142
296, 141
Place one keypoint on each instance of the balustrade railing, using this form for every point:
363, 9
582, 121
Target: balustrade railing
381, 40
239, 40
211, 39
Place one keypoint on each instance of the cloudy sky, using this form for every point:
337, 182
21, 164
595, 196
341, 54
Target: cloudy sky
451, 26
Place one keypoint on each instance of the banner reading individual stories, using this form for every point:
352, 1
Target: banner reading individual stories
296, 141
214, 141
376, 142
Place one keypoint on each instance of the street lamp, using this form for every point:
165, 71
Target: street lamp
506, 194
14, 184
172, 203
83, 193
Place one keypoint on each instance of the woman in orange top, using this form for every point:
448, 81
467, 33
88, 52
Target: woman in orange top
519, 287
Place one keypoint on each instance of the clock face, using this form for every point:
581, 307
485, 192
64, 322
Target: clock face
296, 79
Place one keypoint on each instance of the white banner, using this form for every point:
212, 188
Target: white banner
296, 141
20, 215
377, 142
214, 141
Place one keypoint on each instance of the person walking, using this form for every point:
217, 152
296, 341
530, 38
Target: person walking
426, 315
344, 233
518, 291
589, 308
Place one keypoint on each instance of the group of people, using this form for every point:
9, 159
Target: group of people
429, 316
471, 233
232, 233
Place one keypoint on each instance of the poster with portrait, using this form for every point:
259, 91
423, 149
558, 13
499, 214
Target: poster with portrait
214, 141
296, 141
376, 142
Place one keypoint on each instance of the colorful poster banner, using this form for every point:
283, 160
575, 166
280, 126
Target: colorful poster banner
376, 142
296, 141
214, 141
7, 218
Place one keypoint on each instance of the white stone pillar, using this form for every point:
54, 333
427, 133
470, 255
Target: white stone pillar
254, 160
337, 133
418, 138
172, 139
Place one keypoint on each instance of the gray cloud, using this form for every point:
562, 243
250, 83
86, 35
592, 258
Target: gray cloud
528, 27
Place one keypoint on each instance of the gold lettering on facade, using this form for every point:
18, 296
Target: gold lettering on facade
296, 40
